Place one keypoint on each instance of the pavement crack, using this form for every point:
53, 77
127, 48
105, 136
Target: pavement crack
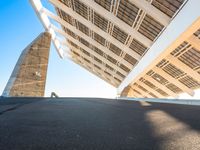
10, 109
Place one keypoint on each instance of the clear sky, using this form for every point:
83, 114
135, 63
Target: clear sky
19, 25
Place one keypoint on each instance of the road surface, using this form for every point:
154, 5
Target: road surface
97, 124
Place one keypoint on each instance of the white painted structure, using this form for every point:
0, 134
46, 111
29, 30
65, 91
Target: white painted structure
145, 48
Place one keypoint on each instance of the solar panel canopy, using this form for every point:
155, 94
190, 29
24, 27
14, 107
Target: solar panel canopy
112, 39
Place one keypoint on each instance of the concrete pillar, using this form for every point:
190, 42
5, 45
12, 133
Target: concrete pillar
29, 75
127, 92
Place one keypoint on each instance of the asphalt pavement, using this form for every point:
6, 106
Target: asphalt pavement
97, 124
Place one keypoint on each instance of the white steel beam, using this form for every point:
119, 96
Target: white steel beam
139, 90
111, 17
174, 81
176, 32
148, 95
143, 94
117, 68
194, 41
37, 5
98, 64
152, 11
95, 62
90, 40
90, 51
161, 86
150, 89
100, 71
91, 26
136, 95
175, 61
97, 55
93, 72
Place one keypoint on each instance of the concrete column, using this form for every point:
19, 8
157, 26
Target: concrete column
29, 75
127, 92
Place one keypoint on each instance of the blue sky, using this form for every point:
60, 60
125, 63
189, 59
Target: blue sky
19, 26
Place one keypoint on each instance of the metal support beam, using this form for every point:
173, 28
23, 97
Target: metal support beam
91, 26
96, 55
162, 47
137, 94
143, 94
150, 89
37, 5
152, 11
174, 81
111, 17
90, 40
93, 72
161, 86
96, 63
194, 41
113, 82
175, 61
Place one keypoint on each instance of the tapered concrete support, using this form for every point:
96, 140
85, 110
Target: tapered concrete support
127, 92
29, 75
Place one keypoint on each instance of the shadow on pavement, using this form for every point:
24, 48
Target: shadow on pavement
74, 123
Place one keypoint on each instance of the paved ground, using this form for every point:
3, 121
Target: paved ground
97, 124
